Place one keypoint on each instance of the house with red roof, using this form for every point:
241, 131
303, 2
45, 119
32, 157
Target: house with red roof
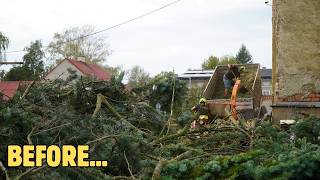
80, 67
9, 88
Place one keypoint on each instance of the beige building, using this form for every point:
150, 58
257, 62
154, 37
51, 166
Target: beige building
296, 59
196, 78
80, 67
296, 47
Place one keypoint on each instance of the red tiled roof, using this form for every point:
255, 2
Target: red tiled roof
9, 88
92, 70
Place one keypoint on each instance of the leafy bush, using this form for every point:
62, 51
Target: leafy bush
309, 128
184, 118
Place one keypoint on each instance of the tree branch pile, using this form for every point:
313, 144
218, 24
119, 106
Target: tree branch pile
127, 132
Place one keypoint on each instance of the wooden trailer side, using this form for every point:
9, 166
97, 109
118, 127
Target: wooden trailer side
218, 105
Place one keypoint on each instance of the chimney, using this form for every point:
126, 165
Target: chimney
82, 59
70, 57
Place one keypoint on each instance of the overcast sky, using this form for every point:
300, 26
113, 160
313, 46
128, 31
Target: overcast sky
180, 36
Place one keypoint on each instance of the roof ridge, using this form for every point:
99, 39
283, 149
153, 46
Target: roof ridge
89, 65
90, 69
74, 61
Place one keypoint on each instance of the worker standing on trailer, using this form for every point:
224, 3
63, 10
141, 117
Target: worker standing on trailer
230, 76
202, 113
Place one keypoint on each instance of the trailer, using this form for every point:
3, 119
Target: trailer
245, 104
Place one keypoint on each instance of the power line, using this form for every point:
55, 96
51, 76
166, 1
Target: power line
112, 27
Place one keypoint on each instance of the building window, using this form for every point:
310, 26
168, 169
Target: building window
266, 92
266, 83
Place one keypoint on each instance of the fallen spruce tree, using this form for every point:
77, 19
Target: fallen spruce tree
140, 143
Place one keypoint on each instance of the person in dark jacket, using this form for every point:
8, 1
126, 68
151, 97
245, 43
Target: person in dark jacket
201, 112
228, 78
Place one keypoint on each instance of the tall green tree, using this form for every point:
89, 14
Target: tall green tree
137, 76
214, 61
4, 43
243, 56
2, 74
227, 59
210, 63
161, 91
75, 42
33, 66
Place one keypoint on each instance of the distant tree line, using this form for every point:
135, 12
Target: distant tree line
72, 42
242, 57
95, 50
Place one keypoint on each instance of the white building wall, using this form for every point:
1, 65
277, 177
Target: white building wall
61, 71
266, 87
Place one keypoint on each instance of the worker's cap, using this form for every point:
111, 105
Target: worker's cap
203, 100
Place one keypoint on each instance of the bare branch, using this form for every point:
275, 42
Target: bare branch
67, 124
125, 157
31, 170
5, 171
102, 138
162, 162
102, 99
27, 90
29, 136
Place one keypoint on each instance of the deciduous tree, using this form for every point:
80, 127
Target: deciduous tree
33, 66
227, 59
210, 63
137, 76
214, 61
76, 42
4, 43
